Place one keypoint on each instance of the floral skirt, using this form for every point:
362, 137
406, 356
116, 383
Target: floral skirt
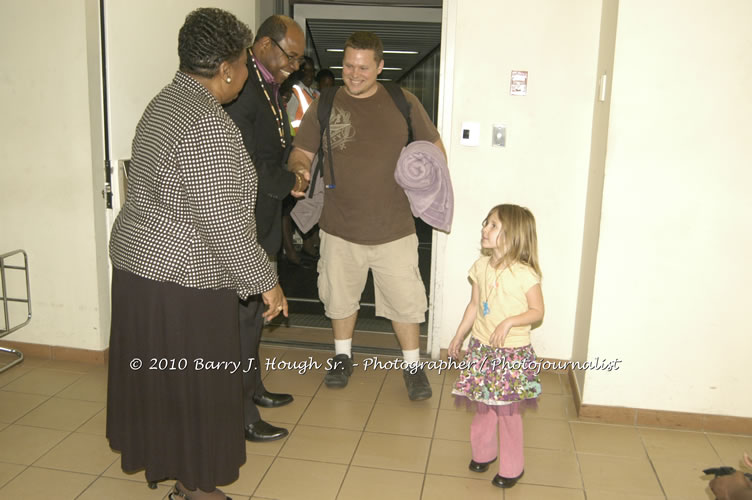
498, 376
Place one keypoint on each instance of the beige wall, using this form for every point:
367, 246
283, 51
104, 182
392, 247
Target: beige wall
46, 182
671, 287
544, 165
52, 155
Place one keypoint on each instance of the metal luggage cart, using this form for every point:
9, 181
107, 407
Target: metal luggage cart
5, 299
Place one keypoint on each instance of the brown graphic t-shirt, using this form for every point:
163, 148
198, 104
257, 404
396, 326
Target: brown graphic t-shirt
366, 206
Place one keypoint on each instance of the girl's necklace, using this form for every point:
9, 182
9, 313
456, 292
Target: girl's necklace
275, 109
490, 290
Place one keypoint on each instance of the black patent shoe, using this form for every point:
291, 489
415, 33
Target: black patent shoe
272, 400
480, 466
506, 482
263, 431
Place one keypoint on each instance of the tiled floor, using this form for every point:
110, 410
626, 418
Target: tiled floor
367, 441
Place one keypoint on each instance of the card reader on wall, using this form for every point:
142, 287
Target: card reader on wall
470, 134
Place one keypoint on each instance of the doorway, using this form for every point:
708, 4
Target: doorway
412, 38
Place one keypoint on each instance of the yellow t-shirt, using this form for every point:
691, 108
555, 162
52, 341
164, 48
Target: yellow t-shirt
501, 295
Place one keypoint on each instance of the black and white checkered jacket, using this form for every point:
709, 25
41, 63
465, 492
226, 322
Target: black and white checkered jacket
188, 215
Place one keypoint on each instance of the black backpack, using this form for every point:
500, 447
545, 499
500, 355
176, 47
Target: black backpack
326, 100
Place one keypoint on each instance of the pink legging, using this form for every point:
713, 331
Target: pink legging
483, 441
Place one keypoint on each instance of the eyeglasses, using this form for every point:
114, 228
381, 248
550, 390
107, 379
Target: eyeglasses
290, 58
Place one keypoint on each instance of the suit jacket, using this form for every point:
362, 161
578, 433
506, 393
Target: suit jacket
253, 115
188, 216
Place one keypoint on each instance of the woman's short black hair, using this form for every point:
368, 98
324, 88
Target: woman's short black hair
208, 37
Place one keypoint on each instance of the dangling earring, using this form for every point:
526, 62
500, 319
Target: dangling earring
228, 79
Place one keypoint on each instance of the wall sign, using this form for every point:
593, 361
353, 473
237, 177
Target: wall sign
519, 83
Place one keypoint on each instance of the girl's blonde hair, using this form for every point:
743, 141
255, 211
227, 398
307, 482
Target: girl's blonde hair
518, 236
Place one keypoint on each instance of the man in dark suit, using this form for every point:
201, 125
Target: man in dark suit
277, 52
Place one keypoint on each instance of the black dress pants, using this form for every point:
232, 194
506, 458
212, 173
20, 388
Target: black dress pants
251, 323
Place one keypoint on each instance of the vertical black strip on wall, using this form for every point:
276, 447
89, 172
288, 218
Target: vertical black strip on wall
312, 44
105, 111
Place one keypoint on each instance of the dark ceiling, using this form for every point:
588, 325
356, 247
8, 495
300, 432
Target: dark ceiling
421, 37
375, 3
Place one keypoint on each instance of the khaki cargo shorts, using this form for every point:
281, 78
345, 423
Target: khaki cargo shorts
343, 270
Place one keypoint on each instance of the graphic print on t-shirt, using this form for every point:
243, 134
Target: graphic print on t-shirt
341, 127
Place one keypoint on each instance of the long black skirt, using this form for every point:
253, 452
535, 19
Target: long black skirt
166, 412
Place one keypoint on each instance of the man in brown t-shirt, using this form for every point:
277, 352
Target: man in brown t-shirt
366, 221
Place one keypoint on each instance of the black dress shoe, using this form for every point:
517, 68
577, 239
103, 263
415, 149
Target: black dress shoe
480, 466
272, 400
176, 493
263, 431
506, 482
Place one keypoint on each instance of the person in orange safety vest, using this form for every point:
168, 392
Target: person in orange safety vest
302, 94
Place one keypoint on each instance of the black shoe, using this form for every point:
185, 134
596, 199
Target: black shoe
417, 384
180, 494
480, 466
506, 482
272, 400
263, 431
340, 371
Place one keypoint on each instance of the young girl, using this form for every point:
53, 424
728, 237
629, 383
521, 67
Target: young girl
506, 299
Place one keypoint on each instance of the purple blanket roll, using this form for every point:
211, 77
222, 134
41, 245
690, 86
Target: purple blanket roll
423, 173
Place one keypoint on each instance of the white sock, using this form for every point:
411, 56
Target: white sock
343, 347
411, 357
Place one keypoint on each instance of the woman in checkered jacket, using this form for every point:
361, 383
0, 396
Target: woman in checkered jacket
183, 248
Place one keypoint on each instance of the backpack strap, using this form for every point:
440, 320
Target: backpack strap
399, 100
324, 110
